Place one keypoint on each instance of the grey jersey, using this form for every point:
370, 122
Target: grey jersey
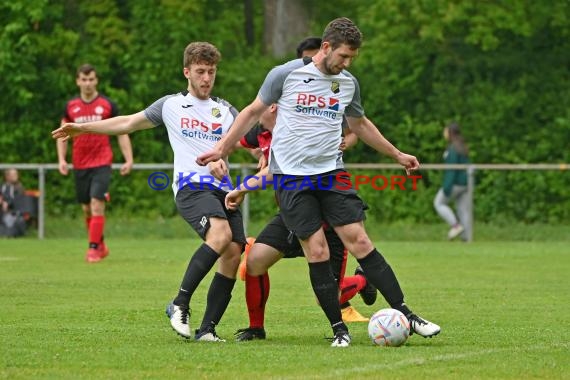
311, 105
194, 126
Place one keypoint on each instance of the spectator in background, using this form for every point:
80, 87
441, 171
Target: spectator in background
454, 185
92, 157
12, 194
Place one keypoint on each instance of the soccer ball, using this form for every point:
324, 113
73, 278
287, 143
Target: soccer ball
388, 327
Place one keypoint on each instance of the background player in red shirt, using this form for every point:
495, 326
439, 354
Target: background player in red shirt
92, 157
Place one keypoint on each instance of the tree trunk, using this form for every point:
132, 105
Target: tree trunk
248, 17
286, 24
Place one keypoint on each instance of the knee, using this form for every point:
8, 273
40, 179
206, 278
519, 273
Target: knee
361, 244
318, 254
256, 268
259, 260
219, 237
97, 207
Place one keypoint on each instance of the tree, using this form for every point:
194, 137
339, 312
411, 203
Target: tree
286, 23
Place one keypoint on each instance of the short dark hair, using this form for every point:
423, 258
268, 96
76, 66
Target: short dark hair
85, 69
342, 31
201, 52
309, 43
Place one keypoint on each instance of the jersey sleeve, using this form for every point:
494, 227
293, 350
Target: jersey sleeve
355, 109
272, 86
65, 117
250, 139
65, 114
154, 112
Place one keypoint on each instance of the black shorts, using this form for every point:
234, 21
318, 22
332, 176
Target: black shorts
303, 208
198, 206
276, 235
92, 183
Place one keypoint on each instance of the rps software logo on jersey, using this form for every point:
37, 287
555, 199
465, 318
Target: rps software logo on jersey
195, 128
317, 105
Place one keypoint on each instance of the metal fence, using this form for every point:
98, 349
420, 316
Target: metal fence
247, 169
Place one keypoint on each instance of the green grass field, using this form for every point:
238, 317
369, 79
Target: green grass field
503, 308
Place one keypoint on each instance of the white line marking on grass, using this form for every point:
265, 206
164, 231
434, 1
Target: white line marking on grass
420, 361
417, 361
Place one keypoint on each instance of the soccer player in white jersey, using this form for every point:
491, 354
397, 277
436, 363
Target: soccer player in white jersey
195, 121
312, 101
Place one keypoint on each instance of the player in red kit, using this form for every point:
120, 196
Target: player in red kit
92, 157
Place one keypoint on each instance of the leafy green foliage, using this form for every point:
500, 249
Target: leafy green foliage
498, 68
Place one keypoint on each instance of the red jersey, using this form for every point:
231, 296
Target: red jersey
90, 150
258, 137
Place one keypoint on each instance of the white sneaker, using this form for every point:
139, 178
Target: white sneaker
208, 336
179, 319
341, 339
455, 231
423, 327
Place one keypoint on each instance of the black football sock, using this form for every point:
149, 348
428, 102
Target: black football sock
200, 264
381, 275
326, 290
219, 296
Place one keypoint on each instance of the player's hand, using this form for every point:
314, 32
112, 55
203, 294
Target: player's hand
409, 162
262, 163
342, 144
66, 131
62, 167
206, 158
218, 169
234, 199
126, 168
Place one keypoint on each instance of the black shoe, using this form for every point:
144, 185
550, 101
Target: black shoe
250, 333
368, 293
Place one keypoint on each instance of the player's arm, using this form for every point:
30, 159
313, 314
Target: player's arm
61, 146
256, 182
127, 151
119, 125
367, 132
243, 123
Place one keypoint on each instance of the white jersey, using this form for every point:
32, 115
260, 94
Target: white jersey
194, 126
311, 106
